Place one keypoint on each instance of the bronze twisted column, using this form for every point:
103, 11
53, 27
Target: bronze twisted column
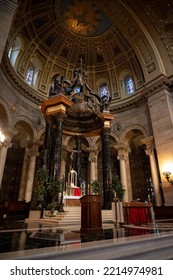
106, 169
54, 111
78, 159
48, 144
58, 144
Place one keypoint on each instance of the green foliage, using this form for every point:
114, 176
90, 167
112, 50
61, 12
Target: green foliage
40, 183
96, 187
54, 188
118, 188
52, 206
44, 188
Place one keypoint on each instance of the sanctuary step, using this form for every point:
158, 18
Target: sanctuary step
72, 216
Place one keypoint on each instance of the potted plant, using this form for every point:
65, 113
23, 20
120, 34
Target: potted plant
118, 188
117, 206
54, 189
51, 207
39, 193
96, 187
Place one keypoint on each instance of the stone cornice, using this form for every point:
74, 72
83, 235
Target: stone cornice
141, 95
126, 104
158, 84
17, 82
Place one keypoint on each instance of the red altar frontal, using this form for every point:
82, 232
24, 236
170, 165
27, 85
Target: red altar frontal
74, 198
133, 212
138, 212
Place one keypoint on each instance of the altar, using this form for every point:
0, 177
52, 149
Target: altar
138, 212
73, 192
72, 200
133, 212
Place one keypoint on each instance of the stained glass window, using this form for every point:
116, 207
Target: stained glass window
30, 75
77, 89
104, 90
129, 86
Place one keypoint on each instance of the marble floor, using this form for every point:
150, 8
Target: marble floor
20, 239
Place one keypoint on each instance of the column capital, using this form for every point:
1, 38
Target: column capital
149, 143
92, 149
60, 117
149, 152
9, 134
33, 153
48, 118
6, 144
92, 154
33, 148
105, 131
123, 151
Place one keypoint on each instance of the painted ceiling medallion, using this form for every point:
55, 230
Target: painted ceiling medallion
84, 17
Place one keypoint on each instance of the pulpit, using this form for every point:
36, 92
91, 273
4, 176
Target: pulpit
91, 215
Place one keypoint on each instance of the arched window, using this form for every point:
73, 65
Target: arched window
129, 86
32, 74
14, 50
103, 90
77, 89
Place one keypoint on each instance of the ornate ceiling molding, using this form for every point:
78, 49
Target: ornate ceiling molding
17, 82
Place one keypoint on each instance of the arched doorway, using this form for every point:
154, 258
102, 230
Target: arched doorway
140, 170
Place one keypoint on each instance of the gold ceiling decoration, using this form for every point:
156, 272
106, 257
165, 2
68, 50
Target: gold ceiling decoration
85, 18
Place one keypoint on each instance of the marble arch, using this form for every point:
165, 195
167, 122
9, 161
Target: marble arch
5, 114
26, 128
127, 133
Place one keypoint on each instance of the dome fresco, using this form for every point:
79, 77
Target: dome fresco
53, 35
84, 18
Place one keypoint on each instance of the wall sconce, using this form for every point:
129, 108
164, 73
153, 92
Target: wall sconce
2, 137
167, 175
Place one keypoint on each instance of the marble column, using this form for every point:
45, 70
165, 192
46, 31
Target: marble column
48, 144
33, 153
3, 154
78, 159
22, 187
9, 134
106, 167
122, 157
92, 160
149, 142
63, 162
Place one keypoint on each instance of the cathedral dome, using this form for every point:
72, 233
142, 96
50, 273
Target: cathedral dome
50, 38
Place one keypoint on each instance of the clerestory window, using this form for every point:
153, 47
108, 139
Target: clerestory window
30, 75
104, 90
129, 86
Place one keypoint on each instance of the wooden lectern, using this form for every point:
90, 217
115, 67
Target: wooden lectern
91, 215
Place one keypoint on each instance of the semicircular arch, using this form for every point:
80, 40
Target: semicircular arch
129, 133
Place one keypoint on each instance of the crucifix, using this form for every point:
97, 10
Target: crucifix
81, 60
